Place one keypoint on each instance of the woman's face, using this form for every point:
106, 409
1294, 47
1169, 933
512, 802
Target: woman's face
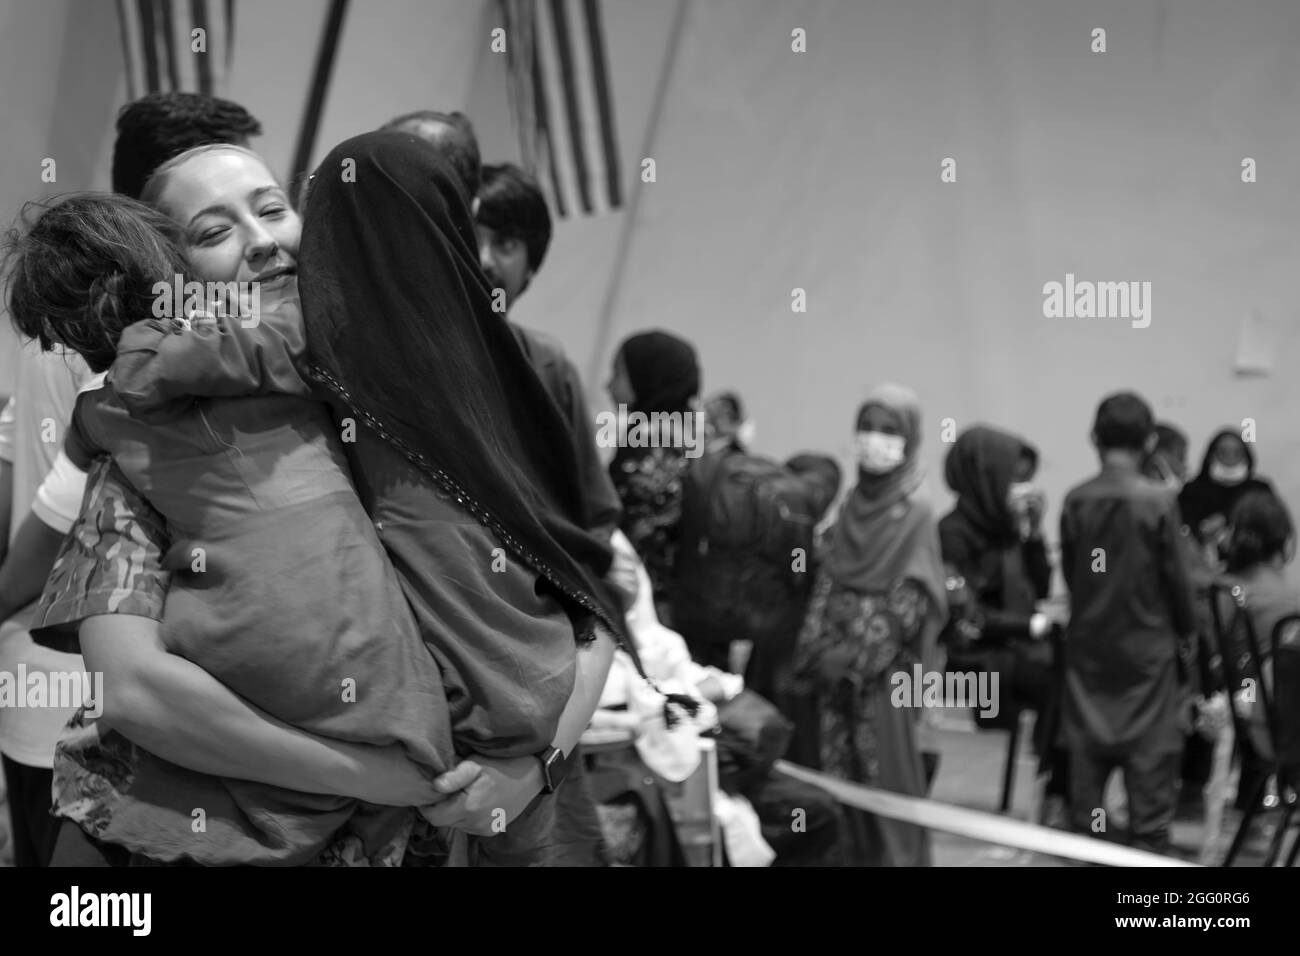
620, 385
237, 221
1230, 450
874, 418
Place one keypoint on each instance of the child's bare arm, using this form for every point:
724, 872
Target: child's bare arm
162, 366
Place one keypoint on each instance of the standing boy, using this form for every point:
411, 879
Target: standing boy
1130, 606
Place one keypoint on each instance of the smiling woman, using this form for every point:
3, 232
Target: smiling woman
236, 220
280, 588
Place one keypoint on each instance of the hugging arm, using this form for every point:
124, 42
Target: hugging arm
109, 581
161, 366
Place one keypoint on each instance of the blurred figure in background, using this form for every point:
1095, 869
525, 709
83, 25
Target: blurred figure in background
1227, 472
654, 372
772, 673
877, 606
452, 135
1167, 464
161, 126
725, 414
1131, 609
997, 563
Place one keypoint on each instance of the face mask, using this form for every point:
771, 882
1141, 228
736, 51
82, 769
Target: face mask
1222, 474
879, 453
745, 434
1019, 493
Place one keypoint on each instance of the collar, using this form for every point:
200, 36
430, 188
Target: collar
94, 383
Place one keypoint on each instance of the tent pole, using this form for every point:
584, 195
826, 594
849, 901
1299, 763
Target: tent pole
605, 321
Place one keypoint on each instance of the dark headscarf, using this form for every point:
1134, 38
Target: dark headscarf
1203, 497
980, 469
663, 371
400, 328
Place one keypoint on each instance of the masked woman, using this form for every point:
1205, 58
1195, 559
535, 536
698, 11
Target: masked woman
876, 608
1227, 472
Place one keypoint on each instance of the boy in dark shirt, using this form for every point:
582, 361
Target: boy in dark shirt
1130, 606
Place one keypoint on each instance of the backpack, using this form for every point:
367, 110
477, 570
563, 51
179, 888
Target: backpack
737, 571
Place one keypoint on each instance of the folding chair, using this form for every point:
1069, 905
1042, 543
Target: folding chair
691, 804
1285, 641
1242, 660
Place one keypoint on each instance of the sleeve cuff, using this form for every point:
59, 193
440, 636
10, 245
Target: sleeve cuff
58, 500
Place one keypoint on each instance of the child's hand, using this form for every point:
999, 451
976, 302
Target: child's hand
494, 797
455, 780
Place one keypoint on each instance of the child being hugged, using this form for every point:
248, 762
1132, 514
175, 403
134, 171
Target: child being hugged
280, 587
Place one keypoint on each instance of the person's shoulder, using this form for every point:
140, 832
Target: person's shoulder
540, 347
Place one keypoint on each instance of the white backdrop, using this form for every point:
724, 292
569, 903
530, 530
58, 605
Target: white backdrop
820, 170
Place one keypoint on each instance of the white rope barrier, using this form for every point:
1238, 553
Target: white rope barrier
976, 824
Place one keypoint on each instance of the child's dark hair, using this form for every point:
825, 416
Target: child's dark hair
511, 203
1261, 529
83, 268
1124, 421
160, 126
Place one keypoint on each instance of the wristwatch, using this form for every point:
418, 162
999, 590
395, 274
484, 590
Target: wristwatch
555, 767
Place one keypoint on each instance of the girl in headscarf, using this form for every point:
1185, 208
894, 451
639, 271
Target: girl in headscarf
1227, 472
877, 607
998, 570
654, 372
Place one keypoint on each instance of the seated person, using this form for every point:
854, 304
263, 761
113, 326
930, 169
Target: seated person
689, 698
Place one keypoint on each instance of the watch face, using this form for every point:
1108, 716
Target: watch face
555, 765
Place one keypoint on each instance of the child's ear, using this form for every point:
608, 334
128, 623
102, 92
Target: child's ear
1149, 446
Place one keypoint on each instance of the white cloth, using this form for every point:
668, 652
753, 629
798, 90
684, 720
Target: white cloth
741, 833
32, 427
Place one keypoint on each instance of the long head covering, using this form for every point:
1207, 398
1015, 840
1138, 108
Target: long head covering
663, 370
886, 528
400, 328
1203, 497
980, 469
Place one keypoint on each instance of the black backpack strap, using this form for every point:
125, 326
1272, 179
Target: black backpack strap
717, 467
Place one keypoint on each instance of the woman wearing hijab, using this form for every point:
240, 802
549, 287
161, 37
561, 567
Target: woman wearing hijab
1227, 472
876, 608
462, 460
998, 568
654, 372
